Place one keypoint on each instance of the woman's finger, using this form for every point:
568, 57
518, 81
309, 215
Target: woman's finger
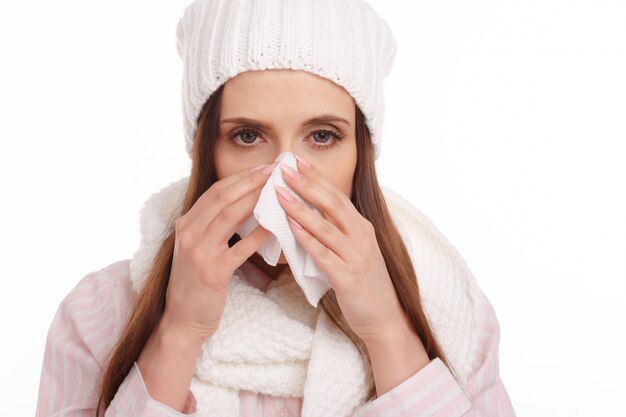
244, 248
209, 195
315, 188
216, 199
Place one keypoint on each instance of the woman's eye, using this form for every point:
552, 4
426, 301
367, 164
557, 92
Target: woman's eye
247, 136
328, 138
324, 135
320, 138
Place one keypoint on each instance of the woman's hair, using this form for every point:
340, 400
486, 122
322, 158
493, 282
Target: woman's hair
366, 196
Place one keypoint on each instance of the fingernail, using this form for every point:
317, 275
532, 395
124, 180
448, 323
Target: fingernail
269, 169
256, 168
290, 171
284, 193
294, 222
302, 161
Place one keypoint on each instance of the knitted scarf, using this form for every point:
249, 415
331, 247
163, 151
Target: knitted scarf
275, 343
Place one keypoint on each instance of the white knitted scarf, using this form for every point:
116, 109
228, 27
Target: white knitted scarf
275, 343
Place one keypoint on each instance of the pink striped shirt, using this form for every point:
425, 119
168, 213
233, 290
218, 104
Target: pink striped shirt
91, 317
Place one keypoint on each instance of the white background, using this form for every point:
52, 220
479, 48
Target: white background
510, 115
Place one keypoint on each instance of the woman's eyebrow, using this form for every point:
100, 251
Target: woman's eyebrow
324, 118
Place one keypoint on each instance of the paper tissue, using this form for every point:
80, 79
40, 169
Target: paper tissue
269, 213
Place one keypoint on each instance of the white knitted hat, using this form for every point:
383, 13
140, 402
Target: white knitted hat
345, 41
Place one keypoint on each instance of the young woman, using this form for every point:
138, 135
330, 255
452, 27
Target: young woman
197, 323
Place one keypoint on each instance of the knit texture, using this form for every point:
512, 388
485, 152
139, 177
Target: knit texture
344, 41
276, 343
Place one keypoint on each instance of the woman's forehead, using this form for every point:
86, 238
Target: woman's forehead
285, 85
275, 96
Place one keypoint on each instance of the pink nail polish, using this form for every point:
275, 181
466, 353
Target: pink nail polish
302, 161
291, 172
259, 167
295, 223
268, 170
284, 193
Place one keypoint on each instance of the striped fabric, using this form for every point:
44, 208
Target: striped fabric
132, 399
90, 319
260, 405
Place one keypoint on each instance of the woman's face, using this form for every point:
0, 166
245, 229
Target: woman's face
279, 105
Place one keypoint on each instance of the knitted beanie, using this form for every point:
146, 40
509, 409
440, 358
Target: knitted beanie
345, 41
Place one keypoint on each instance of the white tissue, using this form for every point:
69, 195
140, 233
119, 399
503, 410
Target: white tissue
269, 214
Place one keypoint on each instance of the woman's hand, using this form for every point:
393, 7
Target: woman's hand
343, 245
203, 264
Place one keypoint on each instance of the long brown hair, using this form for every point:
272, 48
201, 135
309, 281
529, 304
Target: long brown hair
368, 199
